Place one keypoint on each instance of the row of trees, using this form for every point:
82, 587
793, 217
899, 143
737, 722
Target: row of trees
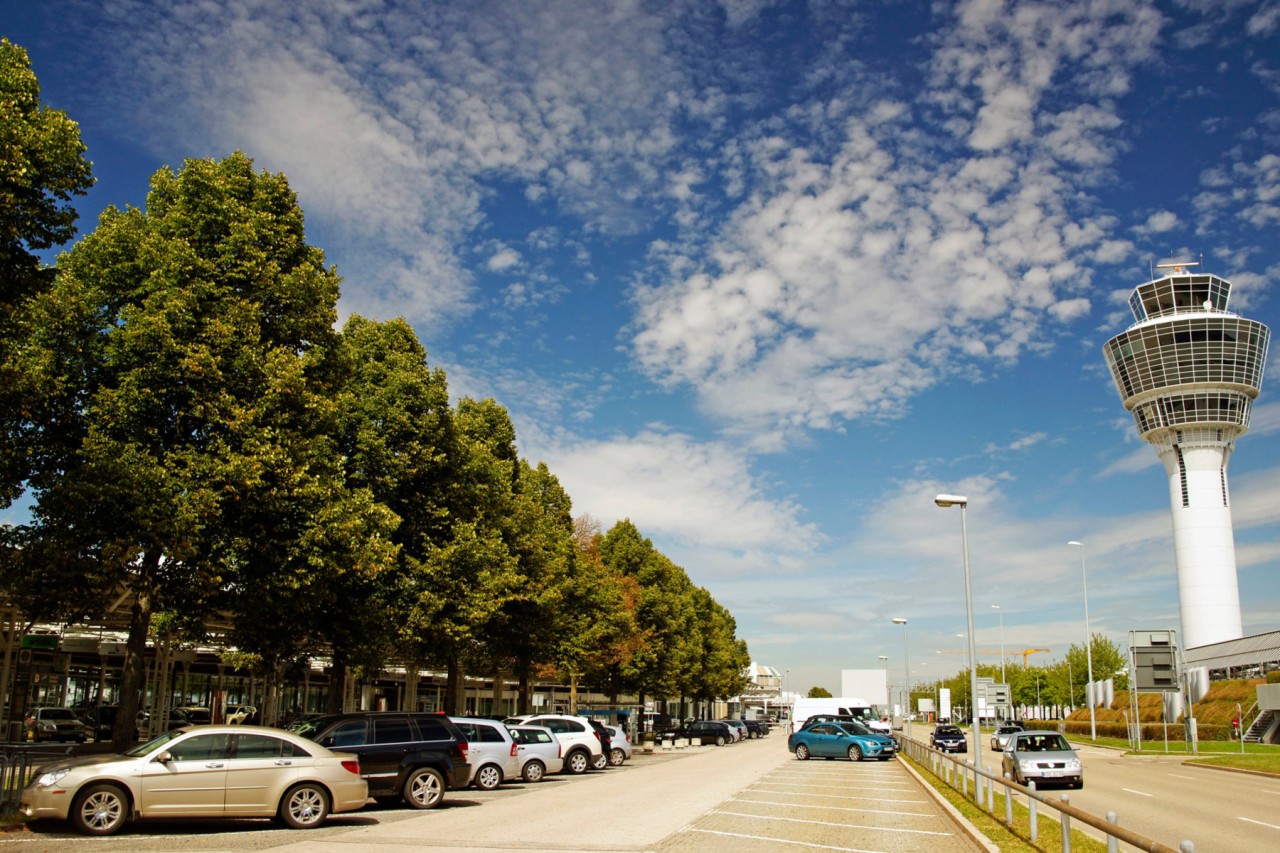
1060, 685
203, 445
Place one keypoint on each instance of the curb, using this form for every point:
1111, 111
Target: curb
975, 834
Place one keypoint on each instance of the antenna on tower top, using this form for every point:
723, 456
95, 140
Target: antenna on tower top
1176, 266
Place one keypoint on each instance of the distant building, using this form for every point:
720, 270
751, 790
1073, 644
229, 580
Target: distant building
1188, 371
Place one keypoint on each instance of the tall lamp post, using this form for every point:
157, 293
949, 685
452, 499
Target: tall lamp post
906, 674
961, 501
1088, 644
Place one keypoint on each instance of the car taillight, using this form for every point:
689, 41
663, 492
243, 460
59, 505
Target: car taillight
514, 749
463, 745
352, 765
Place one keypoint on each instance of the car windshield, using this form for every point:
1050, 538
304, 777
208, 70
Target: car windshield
148, 747
855, 728
57, 714
310, 728
1044, 743
948, 730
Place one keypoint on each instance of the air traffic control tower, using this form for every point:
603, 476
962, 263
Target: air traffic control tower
1189, 370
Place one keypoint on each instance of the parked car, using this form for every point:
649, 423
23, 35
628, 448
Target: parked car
196, 715
50, 724
829, 740
703, 732
755, 728
949, 738
414, 757
581, 744
491, 751
619, 745
538, 751
740, 730
601, 761
828, 718
101, 721
1044, 756
261, 772
237, 714
1000, 737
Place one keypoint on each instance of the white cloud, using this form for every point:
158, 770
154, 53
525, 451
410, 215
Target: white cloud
848, 282
693, 494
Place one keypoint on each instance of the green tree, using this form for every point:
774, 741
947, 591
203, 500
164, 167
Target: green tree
172, 357
818, 693
400, 442
42, 166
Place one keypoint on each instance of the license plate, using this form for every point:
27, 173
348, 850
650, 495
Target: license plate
1051, 774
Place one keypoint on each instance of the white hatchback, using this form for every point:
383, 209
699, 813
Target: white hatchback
581, 746
491, 751
539, 751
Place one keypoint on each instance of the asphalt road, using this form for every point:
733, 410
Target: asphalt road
1168, 800
752, 796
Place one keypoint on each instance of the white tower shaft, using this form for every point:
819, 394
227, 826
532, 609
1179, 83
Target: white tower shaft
1203, 542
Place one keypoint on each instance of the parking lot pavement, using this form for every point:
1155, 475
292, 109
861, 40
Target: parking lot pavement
832, 805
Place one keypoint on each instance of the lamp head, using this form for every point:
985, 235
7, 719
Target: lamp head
898, 620
1078, 544
951, 500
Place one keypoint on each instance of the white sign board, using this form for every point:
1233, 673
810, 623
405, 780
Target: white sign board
944, 703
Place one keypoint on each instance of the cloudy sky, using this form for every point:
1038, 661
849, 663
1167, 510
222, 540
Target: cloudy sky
765, 277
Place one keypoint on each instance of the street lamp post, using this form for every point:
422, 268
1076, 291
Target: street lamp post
945, 501
906, 674
1088, 644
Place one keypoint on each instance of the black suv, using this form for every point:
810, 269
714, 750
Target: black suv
414, 757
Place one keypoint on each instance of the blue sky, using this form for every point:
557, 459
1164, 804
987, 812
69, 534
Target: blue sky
765, 277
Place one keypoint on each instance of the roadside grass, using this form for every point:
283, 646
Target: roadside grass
1257, 757
1015, 838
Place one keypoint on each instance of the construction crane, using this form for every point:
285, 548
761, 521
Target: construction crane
1026, 653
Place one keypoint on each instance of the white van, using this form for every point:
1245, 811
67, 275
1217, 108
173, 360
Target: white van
846, 706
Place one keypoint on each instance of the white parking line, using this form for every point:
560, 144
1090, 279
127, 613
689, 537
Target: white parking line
1260, 823
831, 823
845, 786
850, 797
1176, 776
783, 841
1139, 793
827, 808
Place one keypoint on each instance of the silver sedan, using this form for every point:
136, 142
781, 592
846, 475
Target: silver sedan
200, 771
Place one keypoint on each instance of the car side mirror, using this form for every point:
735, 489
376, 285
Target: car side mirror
165, 757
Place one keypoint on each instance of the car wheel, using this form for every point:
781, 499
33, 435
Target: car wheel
802, 752
855, 752
577, 762
617, 756
719, 740
304, 806
99, 810
487, 778
599, 762
424, 789
533, 771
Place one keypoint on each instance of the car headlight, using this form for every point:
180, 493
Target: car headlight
1073, 764
1027, 764
52, 777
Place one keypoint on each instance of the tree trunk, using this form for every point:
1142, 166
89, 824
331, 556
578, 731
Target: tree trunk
454, 696
337, 687
133, 679
523, 703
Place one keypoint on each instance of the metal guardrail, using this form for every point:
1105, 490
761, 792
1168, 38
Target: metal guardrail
959, 773
16, 765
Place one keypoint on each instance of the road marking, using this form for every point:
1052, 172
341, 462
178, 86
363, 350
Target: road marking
783, 841
1260, 823
831, 823
831, 808
1265, 791
848, 797
1176, 776
1139, 793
